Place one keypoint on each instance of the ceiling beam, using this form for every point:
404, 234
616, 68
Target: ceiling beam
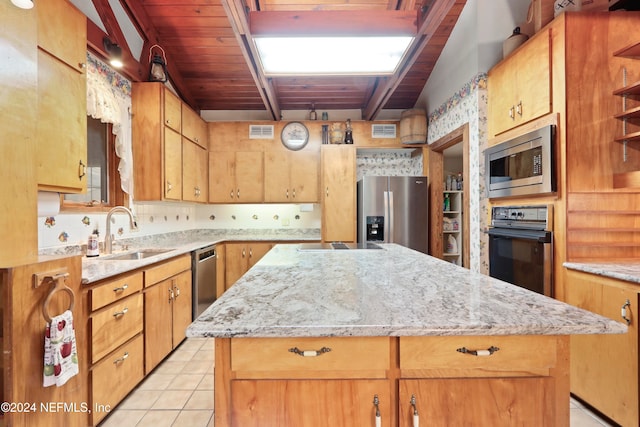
434, 16
238, 18
334, 23
148, 32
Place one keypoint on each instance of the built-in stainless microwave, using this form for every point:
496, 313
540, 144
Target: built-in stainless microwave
522, 166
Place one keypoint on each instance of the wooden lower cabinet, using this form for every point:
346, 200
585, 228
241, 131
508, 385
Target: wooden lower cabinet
263, 381
604, 368
240, 257
476, 402
336, 403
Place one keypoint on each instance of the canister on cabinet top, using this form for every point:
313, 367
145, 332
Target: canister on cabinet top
514, 40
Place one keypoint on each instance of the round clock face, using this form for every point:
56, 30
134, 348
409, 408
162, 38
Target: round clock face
294, 136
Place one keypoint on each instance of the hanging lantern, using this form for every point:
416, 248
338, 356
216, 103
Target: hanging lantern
157, 66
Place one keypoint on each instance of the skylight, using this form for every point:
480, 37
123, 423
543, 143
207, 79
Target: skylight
353, 55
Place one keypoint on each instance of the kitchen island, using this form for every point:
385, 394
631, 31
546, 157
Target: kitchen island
342, 337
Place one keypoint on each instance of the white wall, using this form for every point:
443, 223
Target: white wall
475, 46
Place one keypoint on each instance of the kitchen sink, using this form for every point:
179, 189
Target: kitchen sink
134, 255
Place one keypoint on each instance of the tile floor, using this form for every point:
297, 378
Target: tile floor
179, 393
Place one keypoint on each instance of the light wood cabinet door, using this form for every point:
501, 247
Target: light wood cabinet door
305, 176
520, 86
257, 251
604, 368
172, 110
158, 324
502, 402
62, 32
222, 177
336, 403
181, 285
172, 165
194, 172
62, 126
338, 164
193, 127
277, 183
249, 177
240, 257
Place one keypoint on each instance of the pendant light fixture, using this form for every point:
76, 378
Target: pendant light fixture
157, 65
23, 4
114, 51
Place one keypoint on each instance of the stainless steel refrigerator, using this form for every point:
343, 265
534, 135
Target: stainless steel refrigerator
394, 209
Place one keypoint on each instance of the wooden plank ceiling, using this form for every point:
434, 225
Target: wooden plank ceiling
211, 65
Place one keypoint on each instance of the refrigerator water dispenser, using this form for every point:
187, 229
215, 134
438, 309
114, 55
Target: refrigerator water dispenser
375, 229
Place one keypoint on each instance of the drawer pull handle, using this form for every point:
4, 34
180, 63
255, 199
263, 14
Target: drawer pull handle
623, 312
121, 288
310, 353
121, 313
487, 352
121, 359
416, 417
376, 402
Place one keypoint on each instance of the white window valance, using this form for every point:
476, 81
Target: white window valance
109, 100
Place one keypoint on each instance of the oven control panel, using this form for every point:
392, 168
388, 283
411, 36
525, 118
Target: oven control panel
530, 217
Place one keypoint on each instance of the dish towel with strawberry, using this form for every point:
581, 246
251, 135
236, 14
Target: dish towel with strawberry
60, 354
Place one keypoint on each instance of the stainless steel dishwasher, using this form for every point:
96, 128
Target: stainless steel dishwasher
204, 278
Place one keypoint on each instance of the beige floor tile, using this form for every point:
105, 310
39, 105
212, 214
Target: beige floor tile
204, 355
186, 382
169, 367
158, 419
182, 355
172, 399
197, 367
141, 399
193, 419
157, 381
192, 344
206, 383
123, 418
200, 399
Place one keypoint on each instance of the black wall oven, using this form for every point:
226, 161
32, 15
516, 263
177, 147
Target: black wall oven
521, 247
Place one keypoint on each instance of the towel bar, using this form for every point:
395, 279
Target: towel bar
59, 285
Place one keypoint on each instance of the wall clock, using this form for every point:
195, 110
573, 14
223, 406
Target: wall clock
294, 136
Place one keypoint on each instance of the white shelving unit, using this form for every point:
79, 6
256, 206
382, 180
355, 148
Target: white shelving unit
452, 228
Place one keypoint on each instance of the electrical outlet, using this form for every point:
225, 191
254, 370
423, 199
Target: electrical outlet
285, 222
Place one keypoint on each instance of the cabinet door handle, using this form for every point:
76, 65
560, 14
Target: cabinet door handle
121, 313
487, 352
121, 288
250, 253
623, 312
293, 192
168, 122
177, 291
244, 252
326, 191
519, 108
121, 359
287, 193
376, 403
238, 193
170, 295
231, 193
512, 113
196, 191
169, 186
416, 417
82, 170
310, 353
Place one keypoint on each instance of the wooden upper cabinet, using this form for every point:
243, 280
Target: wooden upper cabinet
172, 110
194, 172
62, 32
61, 133
520, 85
338, 163
172, 165
291, 176
236, 177
193, 127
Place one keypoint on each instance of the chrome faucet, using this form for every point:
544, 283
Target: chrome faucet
108, 239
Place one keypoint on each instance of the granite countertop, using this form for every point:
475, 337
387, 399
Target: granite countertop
101, 267
390, 292
628, 271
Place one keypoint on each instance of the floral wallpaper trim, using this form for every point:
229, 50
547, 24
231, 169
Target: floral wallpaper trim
479, 81
117, 82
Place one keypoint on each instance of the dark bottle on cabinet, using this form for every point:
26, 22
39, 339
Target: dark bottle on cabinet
348, 133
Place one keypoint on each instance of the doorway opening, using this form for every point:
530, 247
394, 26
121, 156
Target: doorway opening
448, 164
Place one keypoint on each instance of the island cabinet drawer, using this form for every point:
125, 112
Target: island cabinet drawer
166, 269
115, 324
115, 290
116, 375
514, 355
361, 357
